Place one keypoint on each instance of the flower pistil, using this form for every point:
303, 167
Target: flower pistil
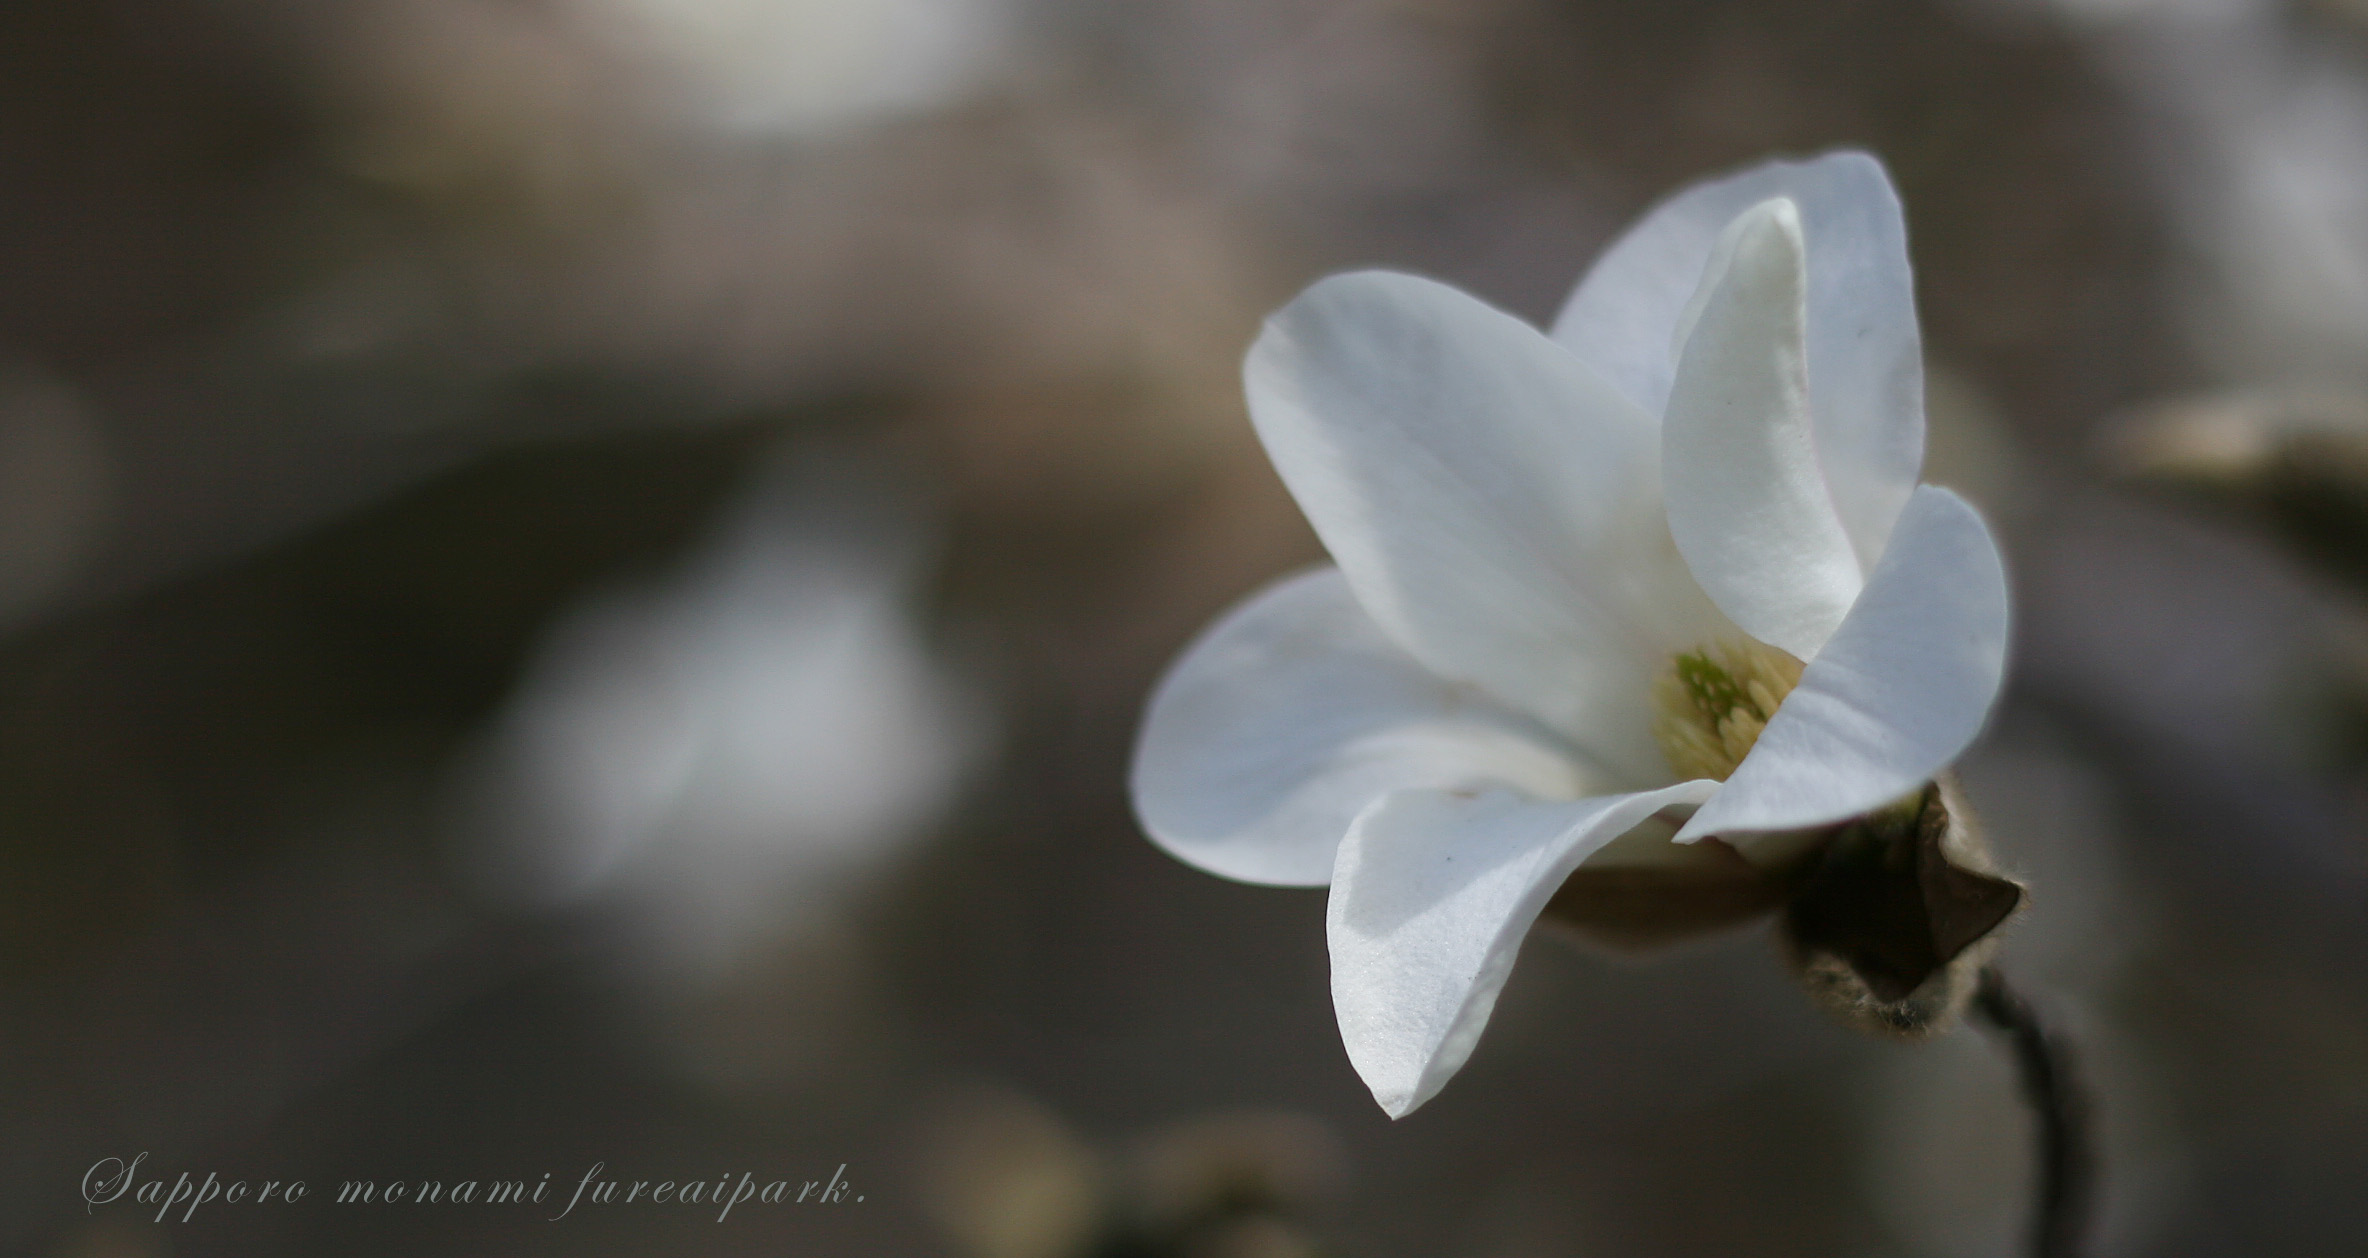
1710, 705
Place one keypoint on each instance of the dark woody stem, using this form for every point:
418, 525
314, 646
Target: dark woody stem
2067, 1151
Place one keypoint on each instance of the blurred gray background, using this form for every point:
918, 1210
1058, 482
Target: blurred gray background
577, 577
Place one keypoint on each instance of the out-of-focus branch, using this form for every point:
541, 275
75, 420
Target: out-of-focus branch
2051, 1086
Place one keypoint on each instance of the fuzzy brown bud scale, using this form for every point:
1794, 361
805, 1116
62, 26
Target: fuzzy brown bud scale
1890, 925
1887, 918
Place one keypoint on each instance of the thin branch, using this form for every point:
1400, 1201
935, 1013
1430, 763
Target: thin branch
2051, 1086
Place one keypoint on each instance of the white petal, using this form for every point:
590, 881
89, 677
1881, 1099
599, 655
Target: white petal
1900, 691
1291, 715
1493, 502
1433, 894
1866, 367
1747, 501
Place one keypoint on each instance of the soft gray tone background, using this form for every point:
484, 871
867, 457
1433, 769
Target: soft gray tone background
578, 577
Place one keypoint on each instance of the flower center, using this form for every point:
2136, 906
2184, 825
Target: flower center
1712, 703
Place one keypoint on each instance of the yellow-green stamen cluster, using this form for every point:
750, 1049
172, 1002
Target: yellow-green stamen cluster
1711, 705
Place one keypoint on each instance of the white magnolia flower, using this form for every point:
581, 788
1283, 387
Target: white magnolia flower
1579, 577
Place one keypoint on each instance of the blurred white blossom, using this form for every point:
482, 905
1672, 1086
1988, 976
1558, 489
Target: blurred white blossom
2257, 114
727, 752
805, 67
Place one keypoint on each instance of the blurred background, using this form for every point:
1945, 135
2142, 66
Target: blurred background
577, 579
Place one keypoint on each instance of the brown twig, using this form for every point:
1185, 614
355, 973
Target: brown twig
2050, 1085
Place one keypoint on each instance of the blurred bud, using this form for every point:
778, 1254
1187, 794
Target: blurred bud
112, 1238
1890, 925
1005, 1178
2296, 460
53, 488
1251, 1238
1193, 1174
2232, 439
